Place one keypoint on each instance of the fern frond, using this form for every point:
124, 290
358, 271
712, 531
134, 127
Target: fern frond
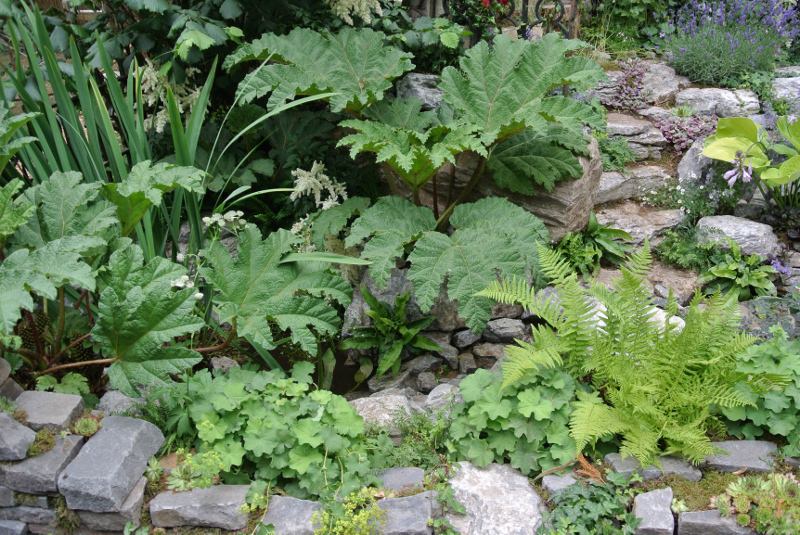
513, 291
553, 264
592, 420
524, 359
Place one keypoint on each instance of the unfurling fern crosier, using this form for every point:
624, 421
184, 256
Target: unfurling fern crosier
660, 384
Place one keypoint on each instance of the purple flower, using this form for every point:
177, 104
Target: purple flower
778, 266
740, 171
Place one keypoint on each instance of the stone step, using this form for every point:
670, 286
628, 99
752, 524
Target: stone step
632, 183
219, 506
409, 515
130, 512
640, 221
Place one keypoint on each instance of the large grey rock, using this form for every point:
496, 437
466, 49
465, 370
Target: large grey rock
751, 455
644, 139
465, 338
115, 403
788, 89
10, 389
442, 396
409, 515
709, 523
670, 466
383, 408
29, 515
219, 506
13, 527
423, 363
130, 511
49, 409
399, 479
641, 222
446, 350
426, 382
498, 500
389, 380
290, 516
720, 102
751, 236
466, 363
105, 471
423, 87
5, 370
6, 497
15, 439
761, 313
654, 511
39, 475
693, 166
505, 330
660, 83
555, 484
632, 183
488, 350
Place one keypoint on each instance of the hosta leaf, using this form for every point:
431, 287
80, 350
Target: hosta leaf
138, 316
503, 87
356, 64
14, 212
526, 160
146, 185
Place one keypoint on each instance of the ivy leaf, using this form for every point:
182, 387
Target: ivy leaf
355, 64
139, 314
14, 212
146, 185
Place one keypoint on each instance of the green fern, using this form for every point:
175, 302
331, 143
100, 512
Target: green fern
660, 384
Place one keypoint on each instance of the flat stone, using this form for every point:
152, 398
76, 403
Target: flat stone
495, 351
719, 102
497, 499
109, 466
39, 475
709, 523
505, 330
641, 222
505, 310
409, 515
446, 350
130, 511
788, 89
13, 527
10, 389
442, 396
390, 380
555, 484
466, 363
423, 87
423, 363
693, 166
115, 403
383, 409
751, 236
7, 497
465, 338
29, 515
621, 124
670, 466
291, 516
664, 278
426, 381
399, 479
660, 83
750, 455
5, 370
632, 183
15, 439
49, 409
213, 507
223, 364
654, 511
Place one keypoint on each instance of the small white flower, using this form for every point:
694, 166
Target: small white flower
198, 296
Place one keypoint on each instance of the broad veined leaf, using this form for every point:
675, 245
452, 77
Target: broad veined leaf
502, 88
785, 173
261, 285
390, 224
727, 149
332, 221
139, 317
146, 185
790, 131
14, 212
741, 127
66, 206
356, 64
527, 159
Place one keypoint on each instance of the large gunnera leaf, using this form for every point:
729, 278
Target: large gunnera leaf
356, 64
263, 285
139, 317
505, 87
14, 211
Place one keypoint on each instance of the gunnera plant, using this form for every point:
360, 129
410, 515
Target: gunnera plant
719, 42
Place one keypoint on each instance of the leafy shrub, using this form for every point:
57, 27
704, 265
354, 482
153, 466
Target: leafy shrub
195, 471
717, 42
593, 509
390, 333
681, 248
615, 152
747, 276
422, 442
524, 424
274, 428
769, 503
778, 411
657, 385
584, 250
358, 514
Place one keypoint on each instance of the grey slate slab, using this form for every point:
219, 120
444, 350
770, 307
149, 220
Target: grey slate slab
13, 527
398, 479
15, 439
291, 516
49, 409
213, 507
410, 515
752, 455
130, 511
669, 466
10, 389
709, 523
29, 515
654, 511
39, 475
